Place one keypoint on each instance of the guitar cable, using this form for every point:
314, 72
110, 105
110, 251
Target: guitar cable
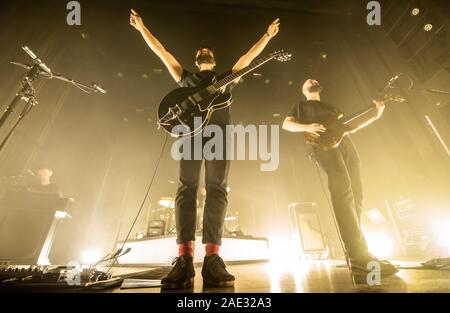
143, 200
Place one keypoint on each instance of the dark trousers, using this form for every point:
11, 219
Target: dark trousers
342, 167
216, 173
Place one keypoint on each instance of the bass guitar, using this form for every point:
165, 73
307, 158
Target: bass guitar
339, 126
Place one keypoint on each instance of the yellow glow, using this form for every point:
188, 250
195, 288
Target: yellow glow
285, 262
167, 202
380, 243
415, 11
90, 256
441, 229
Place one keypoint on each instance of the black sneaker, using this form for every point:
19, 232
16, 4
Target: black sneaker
214, 273
182, 274
360, 264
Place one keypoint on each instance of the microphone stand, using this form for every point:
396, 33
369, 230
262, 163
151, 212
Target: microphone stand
28, 92
390, 85
429, 90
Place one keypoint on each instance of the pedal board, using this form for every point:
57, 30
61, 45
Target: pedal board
46, 278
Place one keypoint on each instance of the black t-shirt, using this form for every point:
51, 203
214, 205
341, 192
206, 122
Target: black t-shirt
188, 79
313, 111
47, 189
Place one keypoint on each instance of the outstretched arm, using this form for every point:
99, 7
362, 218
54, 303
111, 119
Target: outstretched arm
166, 57
293, 125
379, 105
258, 47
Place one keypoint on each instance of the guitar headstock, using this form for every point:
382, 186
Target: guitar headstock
281, 56
395, 98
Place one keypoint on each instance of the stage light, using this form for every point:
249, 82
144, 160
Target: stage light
415, 11
285, 259
90, 256
428, 27
441, 229
380, 243
282, 252
61, 215
375, 216
167, 202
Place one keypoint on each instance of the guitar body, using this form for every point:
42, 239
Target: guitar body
337, 127
179, 111
185, 112
332, 137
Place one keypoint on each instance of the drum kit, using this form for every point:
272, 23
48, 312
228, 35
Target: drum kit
166, 212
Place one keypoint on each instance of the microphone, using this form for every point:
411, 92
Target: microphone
126, 251
25, 66
116, 253
29, 67
38, 61
98, 88
30, 53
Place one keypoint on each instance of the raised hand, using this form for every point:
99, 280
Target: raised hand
273, 28
379, 105
136, 20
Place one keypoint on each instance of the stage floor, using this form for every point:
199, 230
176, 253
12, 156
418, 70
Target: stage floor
312, 276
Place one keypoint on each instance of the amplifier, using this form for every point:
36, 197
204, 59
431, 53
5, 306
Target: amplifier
156, 228
156, 224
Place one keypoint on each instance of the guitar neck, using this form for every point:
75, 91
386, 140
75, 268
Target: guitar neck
232, 77
359, 114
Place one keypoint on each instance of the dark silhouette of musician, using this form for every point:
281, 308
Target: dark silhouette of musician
44, 183
216, 171
342, 167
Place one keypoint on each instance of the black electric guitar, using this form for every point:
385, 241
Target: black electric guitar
177, 111
339, 126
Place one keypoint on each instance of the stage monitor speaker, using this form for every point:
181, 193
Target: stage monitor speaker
307, 223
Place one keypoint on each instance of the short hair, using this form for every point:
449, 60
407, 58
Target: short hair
205, 47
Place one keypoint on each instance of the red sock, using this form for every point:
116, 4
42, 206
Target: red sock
186, 248
211, 248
